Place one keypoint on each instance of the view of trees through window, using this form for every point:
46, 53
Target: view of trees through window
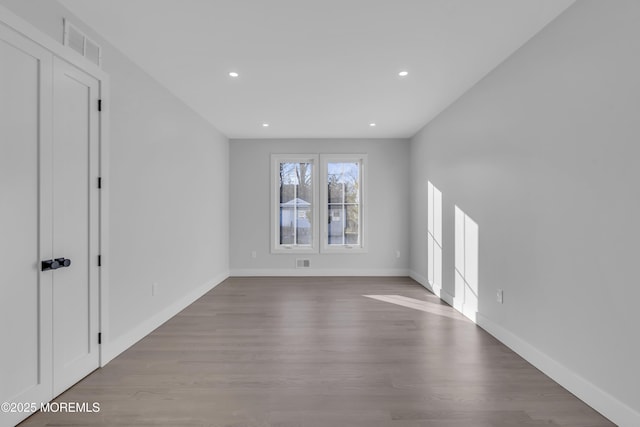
317, 203
343, 182
296, 203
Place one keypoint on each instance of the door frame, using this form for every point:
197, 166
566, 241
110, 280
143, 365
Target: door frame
17, 24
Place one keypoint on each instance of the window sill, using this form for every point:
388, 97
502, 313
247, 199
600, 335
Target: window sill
293, 250
344, 250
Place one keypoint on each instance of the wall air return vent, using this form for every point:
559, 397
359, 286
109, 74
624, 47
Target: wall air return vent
78, 41
303, 263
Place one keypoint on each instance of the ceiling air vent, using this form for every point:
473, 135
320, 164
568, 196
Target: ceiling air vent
303, 263
78, 41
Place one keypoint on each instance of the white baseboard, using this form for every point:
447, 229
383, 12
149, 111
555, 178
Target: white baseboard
420, 278
123, 342
469, 313
274, 272
450, 299
588, 392
601, 401
425, 283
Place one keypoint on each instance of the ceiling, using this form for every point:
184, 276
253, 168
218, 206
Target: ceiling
321, 68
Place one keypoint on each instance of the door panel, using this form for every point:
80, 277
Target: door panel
75, 224
25, 222
49, 208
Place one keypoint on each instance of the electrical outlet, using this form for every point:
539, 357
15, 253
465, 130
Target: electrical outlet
254, 255
499, 296
154, 289
397, 253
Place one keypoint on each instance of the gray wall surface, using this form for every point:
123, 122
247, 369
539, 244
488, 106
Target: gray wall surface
387, 212
543, 155
168, 186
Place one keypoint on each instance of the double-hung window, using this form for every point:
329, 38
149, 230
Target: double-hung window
342, 202
294, 202
318, 203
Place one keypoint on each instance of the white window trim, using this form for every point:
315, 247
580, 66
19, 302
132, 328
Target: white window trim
276, 247
323, 206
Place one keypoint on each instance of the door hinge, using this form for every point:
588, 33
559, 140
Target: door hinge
99, 260
99, 104
99, 337
99, 182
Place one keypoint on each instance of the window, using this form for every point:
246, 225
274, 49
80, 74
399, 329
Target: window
342, 202
301, 213
294, 203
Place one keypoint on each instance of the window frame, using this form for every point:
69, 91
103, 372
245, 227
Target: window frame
276, 246
325, 247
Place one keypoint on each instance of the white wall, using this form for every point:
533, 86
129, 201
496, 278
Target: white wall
387, 211
168, 192
543, 155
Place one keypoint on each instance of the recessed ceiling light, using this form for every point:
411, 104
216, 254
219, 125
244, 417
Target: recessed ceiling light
265, 125
372, 125
233, 74
403, 73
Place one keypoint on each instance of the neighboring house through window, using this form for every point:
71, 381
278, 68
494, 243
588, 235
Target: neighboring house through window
294, 185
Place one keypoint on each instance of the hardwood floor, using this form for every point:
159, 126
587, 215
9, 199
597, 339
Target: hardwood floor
315, 352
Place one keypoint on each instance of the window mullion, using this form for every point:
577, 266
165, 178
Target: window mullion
344, 216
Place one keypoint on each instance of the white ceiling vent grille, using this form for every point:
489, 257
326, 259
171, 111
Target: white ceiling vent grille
78, 41
303, 263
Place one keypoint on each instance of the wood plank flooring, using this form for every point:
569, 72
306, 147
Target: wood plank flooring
314, 352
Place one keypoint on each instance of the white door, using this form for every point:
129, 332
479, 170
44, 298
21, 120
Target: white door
49, 209
75, 224
25, 233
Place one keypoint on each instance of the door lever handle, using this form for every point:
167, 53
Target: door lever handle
50, 264
54, 264
64, 262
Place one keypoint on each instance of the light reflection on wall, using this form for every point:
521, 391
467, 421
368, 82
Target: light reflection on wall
466, 264
434, 238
